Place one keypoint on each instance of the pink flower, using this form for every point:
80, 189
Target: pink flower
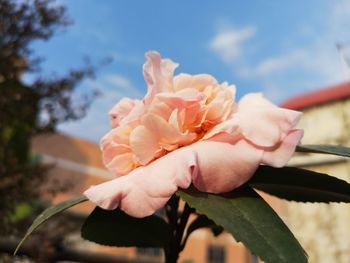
188, 129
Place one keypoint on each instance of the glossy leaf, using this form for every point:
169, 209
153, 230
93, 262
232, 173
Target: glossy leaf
50, 212
116, 228
324, 149
297, 184
250, 220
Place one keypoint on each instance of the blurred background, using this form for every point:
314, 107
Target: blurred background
64, 64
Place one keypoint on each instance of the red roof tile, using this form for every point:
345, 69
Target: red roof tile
318, 97
69, 148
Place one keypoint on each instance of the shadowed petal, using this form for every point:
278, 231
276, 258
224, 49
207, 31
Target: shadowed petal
230, 127
143, 144
222, 166
121, 164
280, 156
160, 129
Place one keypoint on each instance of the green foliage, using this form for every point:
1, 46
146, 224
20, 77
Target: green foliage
18, 107
245, 215
23, 104
22, 211
116, 228
301, 185
49, 213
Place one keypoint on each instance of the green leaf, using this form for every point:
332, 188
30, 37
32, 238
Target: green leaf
48, 213
22, 211
250, 220
325, 149
116, 228
301, 185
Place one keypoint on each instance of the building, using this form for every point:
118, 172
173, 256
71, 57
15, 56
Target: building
323, 229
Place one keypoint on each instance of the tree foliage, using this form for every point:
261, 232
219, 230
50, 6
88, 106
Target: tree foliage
30, 109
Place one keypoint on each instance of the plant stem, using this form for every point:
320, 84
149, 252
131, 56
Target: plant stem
171, 254
182, 225
177, 228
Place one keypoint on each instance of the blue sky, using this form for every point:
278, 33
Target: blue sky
280, 48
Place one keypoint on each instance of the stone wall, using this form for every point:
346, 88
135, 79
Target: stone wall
324, 229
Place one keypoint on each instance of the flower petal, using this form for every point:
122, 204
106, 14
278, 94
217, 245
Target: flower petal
146, 189
280, 156
230, 127
198, 82
143, 144
262, 122
112, 150
158, 74
133, 116
182, 99
160, 129
223, 166
119, 135
121, 164
120, 111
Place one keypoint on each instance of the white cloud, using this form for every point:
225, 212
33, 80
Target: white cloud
314, 63
272, 91
339, 19
273, 65
318, 65
118, 80
227, 43
122, 86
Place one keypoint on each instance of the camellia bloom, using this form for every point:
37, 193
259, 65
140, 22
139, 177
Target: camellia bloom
188, 129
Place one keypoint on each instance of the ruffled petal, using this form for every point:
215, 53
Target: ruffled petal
230, 127
182, 99
113, 150
147, 189
121, 164
144, 144
137, 111
262, 122
198, 82
120, 111
158, 74
160, 129
280, 155
119, 135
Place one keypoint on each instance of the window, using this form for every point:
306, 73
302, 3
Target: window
149, 251
254, 259
216, 254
